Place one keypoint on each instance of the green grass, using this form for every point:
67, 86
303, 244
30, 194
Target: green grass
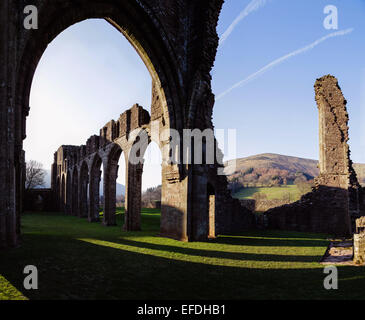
81, 260
271, 192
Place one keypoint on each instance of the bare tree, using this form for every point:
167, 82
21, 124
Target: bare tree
34, 174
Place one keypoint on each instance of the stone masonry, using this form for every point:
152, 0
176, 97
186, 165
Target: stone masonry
359, 241
336, 200
177, 41
77, 170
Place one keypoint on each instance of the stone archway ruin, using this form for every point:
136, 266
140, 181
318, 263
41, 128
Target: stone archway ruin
177, 42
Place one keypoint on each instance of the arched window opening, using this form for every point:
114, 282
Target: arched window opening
151, 188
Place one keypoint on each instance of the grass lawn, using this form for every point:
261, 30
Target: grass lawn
271, 192
80, 260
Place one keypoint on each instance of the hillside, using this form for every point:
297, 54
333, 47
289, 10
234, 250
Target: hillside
276, 169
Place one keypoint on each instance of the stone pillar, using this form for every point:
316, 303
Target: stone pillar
174, 204
54, 173
63, 194
337, 177
20, 185
9, 230
359, 248
110, 178
334, 163
68, 193
75, 193
133, 190
94, 196
211, 212
199, 213
83, 188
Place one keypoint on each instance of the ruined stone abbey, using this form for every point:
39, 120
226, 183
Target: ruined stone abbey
76, 176
177, 41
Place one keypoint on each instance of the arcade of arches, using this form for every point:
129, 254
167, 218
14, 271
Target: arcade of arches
177, 41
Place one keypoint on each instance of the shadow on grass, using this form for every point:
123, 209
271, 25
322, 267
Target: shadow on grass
72, 269
272, 242
220, 254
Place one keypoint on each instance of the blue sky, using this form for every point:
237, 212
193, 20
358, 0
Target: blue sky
90, 74
276, 112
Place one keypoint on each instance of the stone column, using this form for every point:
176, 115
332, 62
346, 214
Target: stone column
95, 177
83, 185
9, 173
337, 178
110, 178
75, 193
68, 193
132, 219
174, 204
63, 193
211, 203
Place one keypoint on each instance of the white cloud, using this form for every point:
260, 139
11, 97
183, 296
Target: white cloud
251, 7
282, 59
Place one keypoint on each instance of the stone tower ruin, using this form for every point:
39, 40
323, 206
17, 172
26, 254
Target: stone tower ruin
336, 200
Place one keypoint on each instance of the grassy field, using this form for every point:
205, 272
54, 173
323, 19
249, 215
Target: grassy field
270, 192
80, 260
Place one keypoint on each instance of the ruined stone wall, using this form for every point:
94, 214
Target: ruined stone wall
359, 241
262, 205
80, 165
335, 202
359, 248
177, 41
231, 215
40, 200
115, 141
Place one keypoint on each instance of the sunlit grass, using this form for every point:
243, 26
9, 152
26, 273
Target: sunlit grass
241, 260
8, 291
81, 260
291, 192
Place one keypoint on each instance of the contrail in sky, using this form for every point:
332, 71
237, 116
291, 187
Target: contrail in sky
282, 59
251, 7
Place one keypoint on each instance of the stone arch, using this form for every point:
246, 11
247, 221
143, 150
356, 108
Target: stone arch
139, 141
178, 42
83, 190
94, 187
153, 161
75, 192
147, 38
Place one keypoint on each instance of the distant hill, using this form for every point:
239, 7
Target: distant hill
267, 167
